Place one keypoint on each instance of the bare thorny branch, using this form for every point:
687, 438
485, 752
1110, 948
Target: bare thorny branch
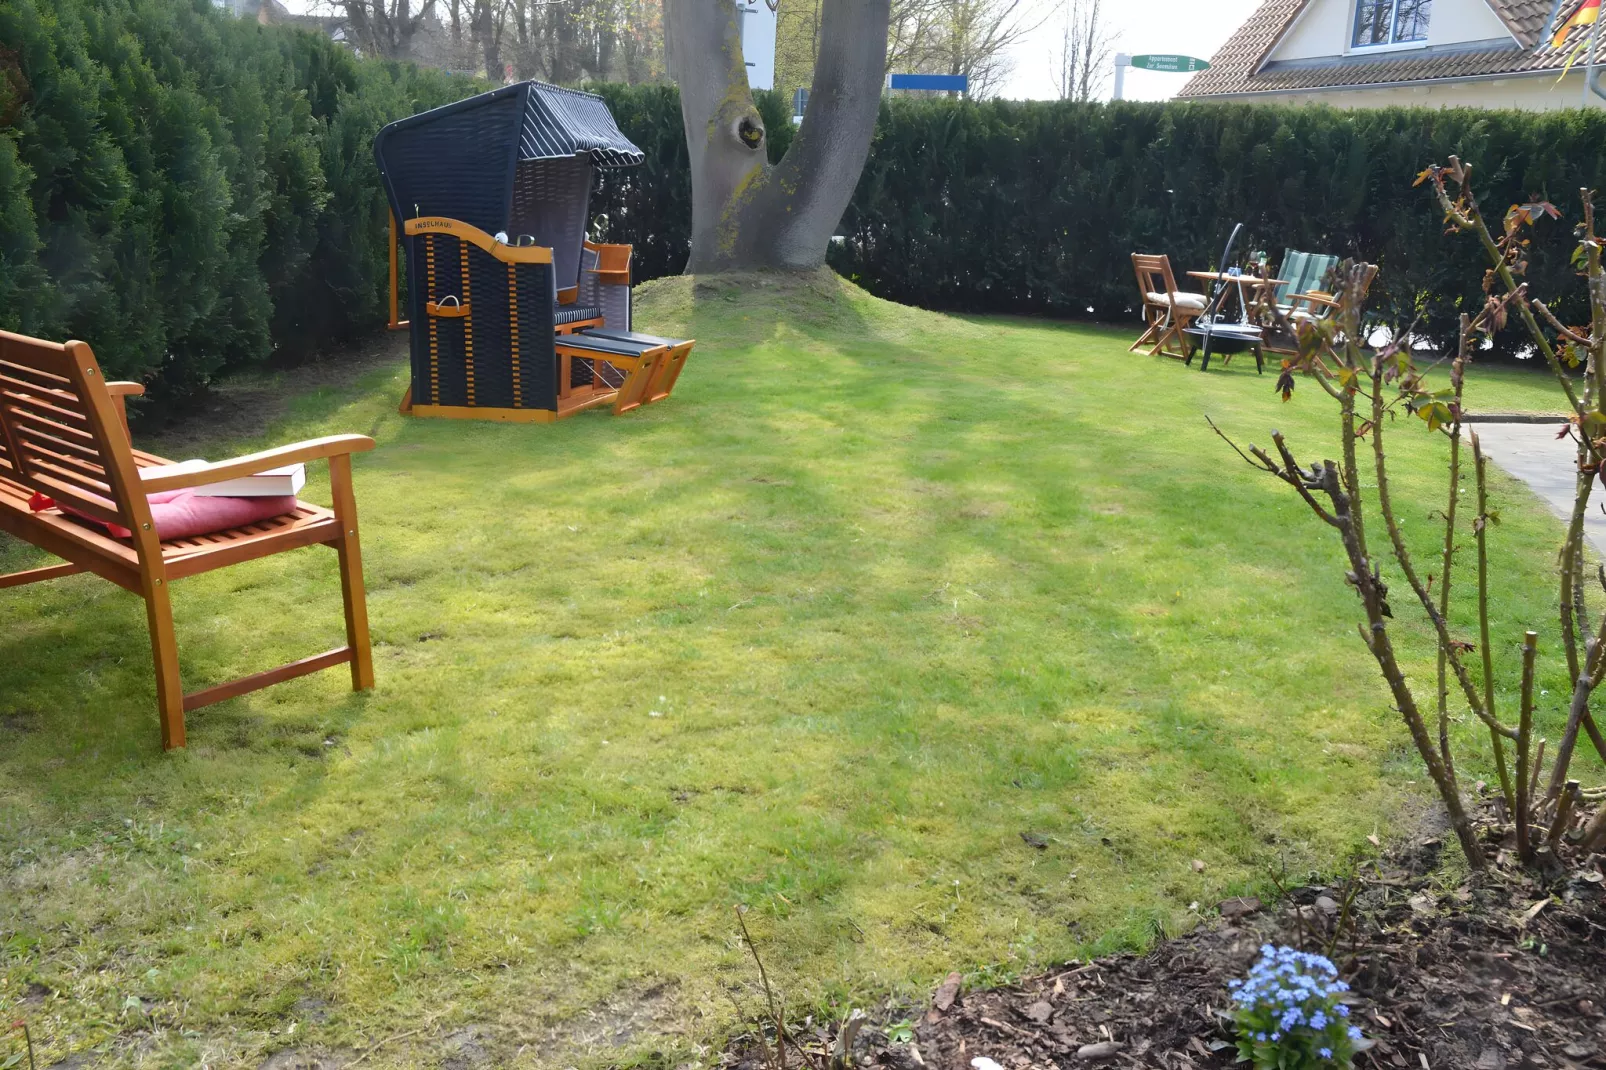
1371, 388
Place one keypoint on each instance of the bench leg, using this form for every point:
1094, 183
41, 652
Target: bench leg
164, 652
351, 589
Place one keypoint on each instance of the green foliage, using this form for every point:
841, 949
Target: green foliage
1034, 207
188, 191
195, 194
892, 611
647, 206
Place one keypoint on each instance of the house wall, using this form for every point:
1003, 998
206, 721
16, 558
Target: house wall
1542, 92
1323, 30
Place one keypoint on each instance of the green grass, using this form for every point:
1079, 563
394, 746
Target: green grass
876, 592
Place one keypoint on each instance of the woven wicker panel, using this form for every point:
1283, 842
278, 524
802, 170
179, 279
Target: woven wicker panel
444, 349
451, 335
615, 304
418, 330
589, 286
538, 360
491, 324
551, 203
455, 162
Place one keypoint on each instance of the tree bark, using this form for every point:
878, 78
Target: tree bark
746, 213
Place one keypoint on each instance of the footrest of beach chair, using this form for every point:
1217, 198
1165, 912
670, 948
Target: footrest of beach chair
669, 368
646, 364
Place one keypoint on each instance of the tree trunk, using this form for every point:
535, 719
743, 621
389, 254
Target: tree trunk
747, 213
565, 38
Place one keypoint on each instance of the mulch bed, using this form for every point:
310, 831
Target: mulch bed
1503, 971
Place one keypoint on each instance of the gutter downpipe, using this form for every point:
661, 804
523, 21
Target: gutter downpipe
1591, 71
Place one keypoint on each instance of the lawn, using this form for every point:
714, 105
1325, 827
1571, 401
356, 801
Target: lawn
873, 595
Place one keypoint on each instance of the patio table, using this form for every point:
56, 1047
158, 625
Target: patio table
1242, 282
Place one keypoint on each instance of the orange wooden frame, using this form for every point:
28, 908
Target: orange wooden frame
64, 434
395, 324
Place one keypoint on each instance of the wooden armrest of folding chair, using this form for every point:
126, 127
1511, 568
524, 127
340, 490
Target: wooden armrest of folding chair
1314, 298
252, 463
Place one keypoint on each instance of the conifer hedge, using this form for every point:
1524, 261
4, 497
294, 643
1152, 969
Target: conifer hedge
187, 191
1035, 207
193, 193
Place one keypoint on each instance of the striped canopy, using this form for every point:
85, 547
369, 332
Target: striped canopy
560, 123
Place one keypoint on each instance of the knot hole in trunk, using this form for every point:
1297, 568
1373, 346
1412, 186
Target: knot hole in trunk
750, 131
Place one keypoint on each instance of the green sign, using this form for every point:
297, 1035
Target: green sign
1173, 64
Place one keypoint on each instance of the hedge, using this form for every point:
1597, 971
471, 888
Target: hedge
195, 194
1035, 207
189, 192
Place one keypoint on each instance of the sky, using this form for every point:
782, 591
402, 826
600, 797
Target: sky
1185, 27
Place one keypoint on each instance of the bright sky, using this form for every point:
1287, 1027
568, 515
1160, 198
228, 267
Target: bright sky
1185, 27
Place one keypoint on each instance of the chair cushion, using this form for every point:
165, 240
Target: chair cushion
570, 313
1184, 300
179, 514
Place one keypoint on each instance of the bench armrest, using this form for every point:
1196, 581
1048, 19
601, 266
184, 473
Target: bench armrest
252, 463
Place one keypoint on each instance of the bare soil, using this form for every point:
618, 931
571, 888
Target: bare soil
1502, 970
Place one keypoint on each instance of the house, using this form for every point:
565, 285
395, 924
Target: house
1421, 53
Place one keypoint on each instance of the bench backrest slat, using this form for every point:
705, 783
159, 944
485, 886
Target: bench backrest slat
59, 434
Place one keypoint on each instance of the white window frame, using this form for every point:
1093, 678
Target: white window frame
1350, 47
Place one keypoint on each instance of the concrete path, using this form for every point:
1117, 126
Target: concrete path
1533, 454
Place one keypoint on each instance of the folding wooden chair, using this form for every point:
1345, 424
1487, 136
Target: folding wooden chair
1166, 309
64, 436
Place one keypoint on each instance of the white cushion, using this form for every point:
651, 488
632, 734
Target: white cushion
1184, 300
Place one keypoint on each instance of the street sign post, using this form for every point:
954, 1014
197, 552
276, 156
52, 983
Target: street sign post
1169, 64
1153, 62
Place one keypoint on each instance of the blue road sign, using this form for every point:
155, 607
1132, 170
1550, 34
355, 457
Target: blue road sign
944, 82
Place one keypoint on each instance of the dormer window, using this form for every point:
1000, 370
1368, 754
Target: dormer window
1390, 22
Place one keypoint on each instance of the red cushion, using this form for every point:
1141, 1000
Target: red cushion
180, 514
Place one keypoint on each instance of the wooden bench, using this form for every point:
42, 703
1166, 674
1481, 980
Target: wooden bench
64, 435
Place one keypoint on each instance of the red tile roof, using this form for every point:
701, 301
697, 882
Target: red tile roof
1240, 67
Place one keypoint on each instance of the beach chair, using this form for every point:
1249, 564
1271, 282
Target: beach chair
70, 479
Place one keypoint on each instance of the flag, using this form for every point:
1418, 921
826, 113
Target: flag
1584, 16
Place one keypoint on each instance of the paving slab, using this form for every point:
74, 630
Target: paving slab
1532, 453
